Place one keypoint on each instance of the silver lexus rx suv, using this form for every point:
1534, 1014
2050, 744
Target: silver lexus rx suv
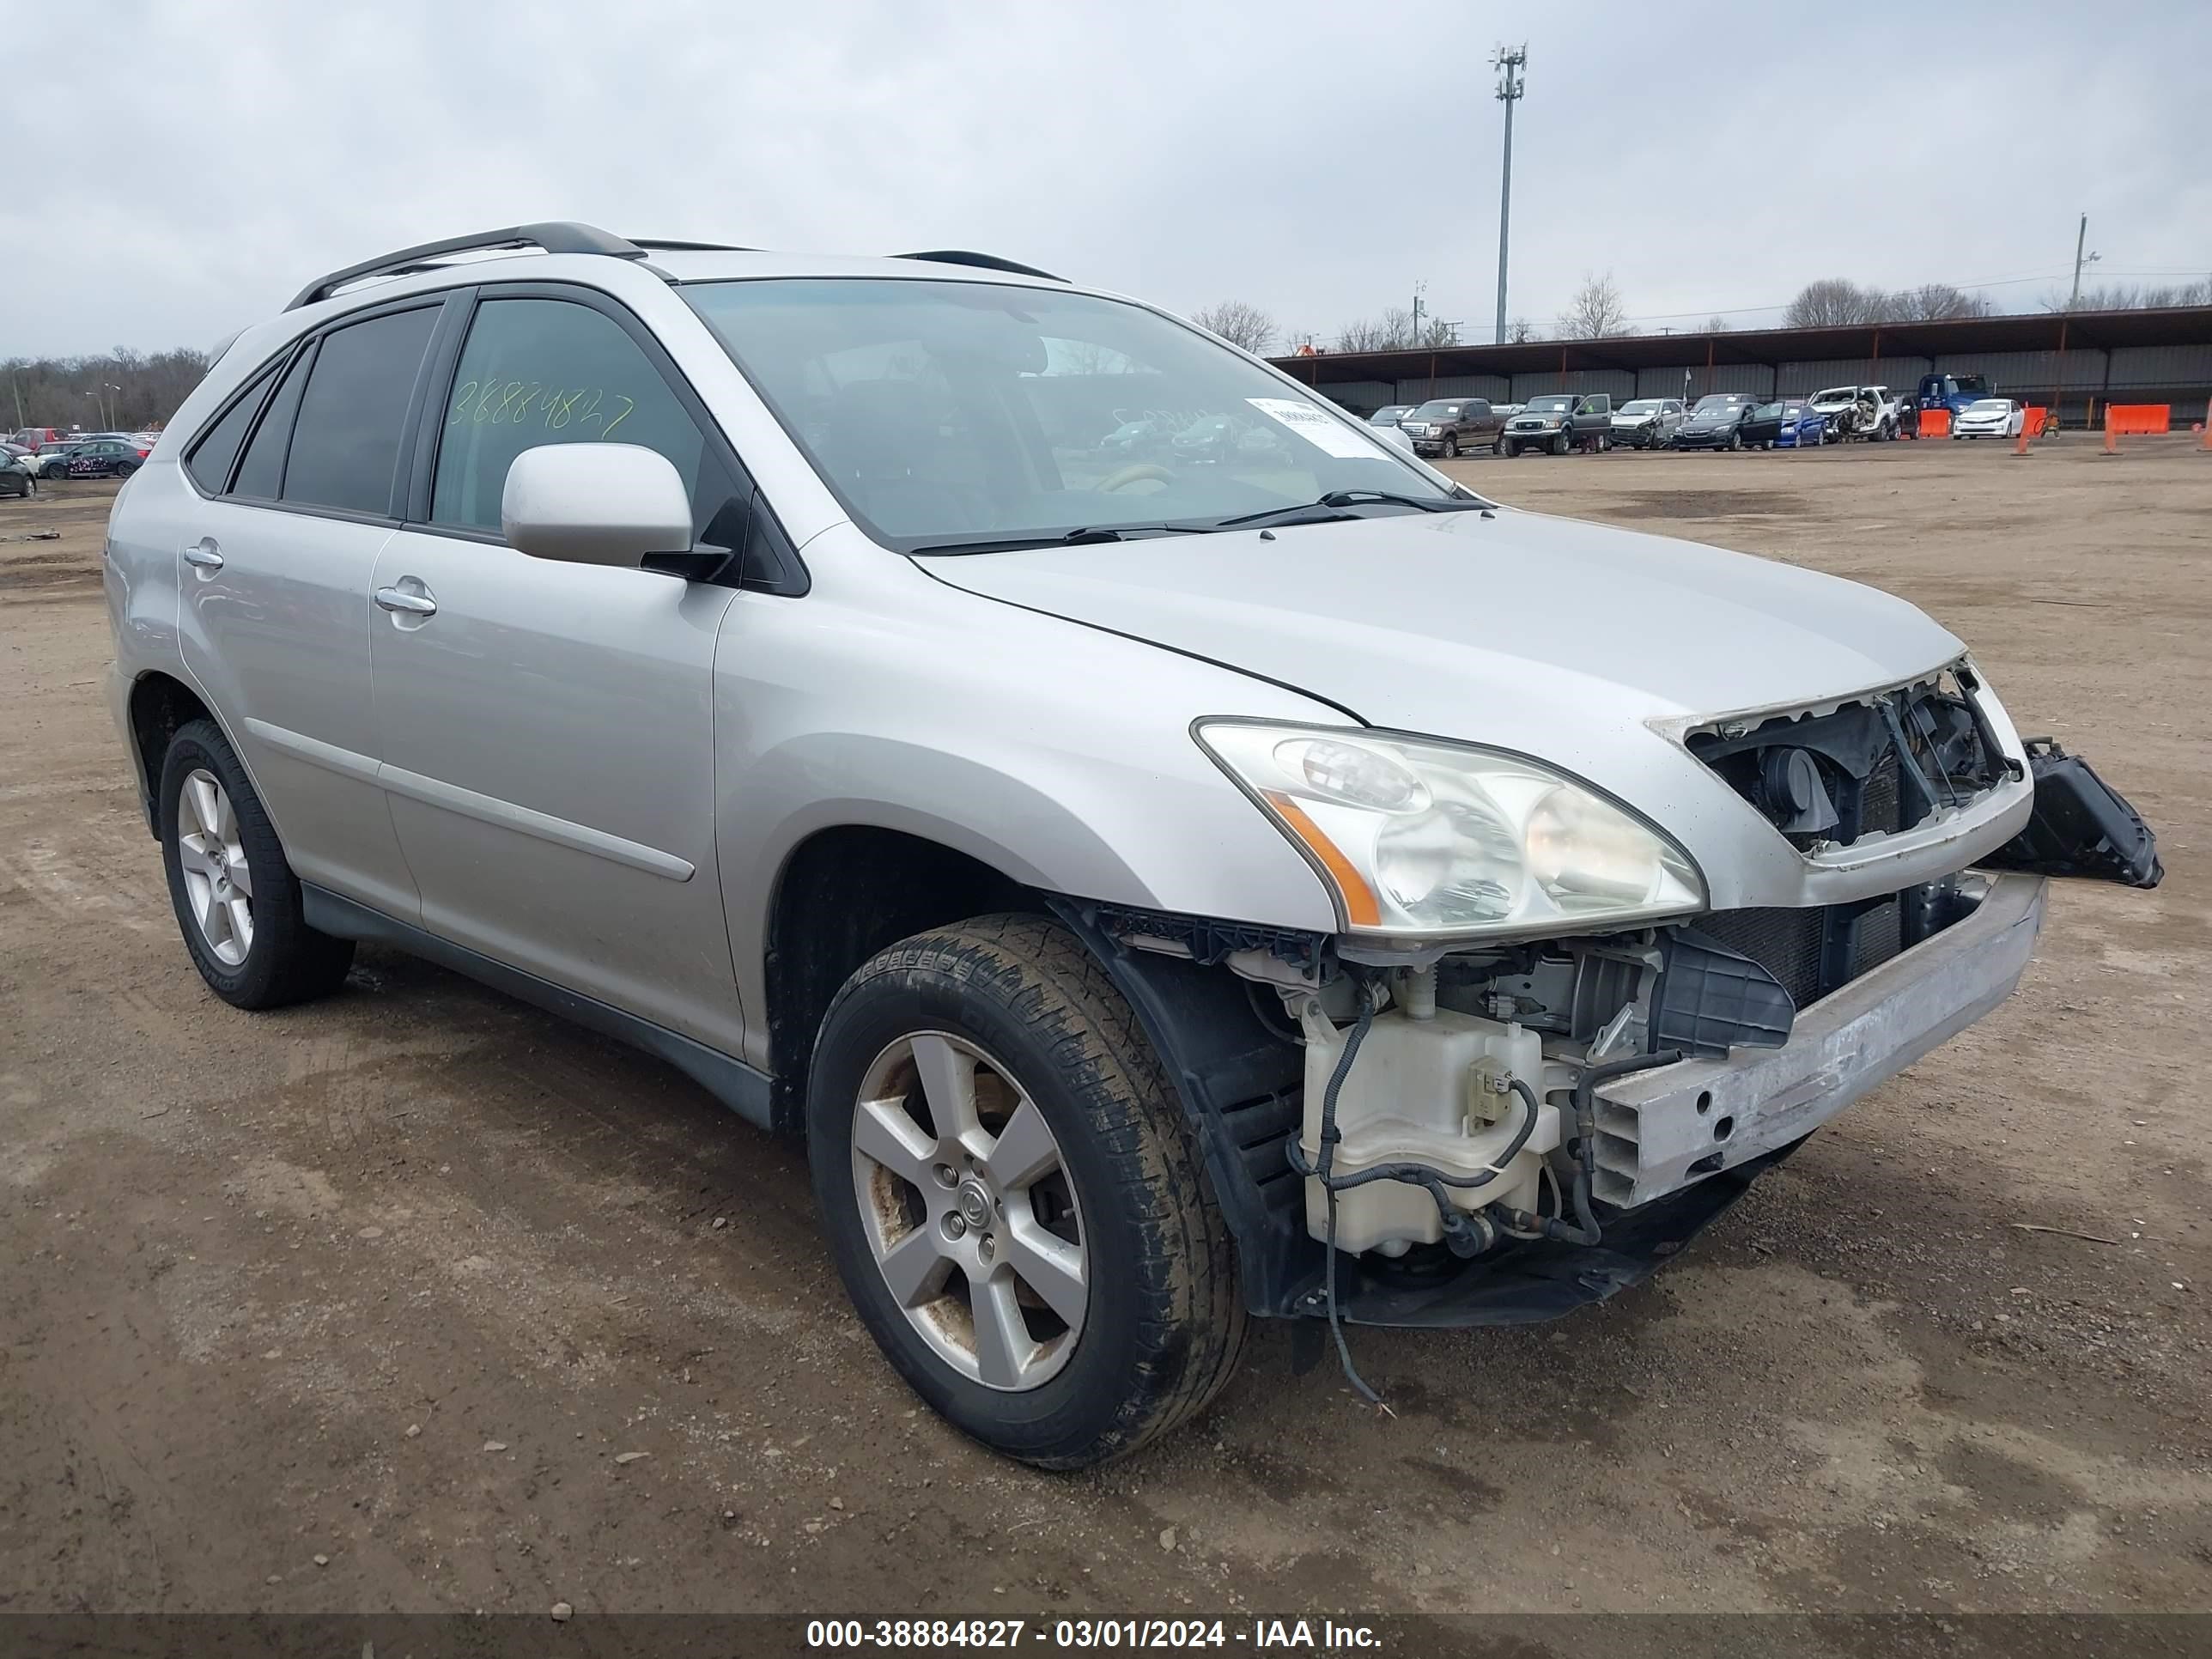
1163, 891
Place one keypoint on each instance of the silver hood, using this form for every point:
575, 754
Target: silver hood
1581, 645
1460, 626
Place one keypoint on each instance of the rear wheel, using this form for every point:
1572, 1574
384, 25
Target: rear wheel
236, 899
1014, 1196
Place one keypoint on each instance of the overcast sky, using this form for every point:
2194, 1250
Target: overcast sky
176, 170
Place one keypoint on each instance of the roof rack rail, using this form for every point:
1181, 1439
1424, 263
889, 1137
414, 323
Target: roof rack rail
664, 245
953, 256
558, 236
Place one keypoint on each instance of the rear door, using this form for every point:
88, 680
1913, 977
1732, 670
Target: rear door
546, 728
276, 585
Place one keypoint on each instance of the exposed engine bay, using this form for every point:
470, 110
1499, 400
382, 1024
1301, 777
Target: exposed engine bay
1455, 1100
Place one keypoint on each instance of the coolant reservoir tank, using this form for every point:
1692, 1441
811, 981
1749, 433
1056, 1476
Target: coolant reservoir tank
1423, 1092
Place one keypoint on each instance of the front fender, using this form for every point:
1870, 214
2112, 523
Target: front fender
1058, 754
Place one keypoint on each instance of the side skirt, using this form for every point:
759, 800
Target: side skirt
735, 1084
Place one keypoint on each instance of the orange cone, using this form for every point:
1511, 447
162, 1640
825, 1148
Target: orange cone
2019, 448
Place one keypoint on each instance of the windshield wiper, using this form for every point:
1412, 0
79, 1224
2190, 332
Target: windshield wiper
1081, 538
1346, 498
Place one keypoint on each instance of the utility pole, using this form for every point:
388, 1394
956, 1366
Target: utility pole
1421, 287
2081, 241
1509, 65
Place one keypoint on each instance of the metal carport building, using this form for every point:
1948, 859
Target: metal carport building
2084, 359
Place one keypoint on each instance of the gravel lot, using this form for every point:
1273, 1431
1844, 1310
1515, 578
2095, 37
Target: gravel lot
369, 1304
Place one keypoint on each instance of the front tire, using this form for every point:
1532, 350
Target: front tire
236, 899
1070, 1291
1562, 443
1451, 446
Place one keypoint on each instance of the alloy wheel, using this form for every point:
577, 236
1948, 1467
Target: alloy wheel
218, 881
969, 1208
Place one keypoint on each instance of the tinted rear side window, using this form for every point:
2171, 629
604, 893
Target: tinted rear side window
262, 472
345, 447
210, 458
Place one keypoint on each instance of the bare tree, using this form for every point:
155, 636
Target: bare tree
1437, 334
132, 388
2131, 298
1715, 323
1392, 331
1365, 335
1933, 302
1238, 323
1834, 302
1519, 331
1595, 312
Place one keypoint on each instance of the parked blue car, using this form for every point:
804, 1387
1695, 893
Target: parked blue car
1792, 423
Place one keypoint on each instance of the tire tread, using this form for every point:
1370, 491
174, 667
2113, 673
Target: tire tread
1190, 1338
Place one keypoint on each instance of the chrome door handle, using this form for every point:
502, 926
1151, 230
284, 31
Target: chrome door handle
205, 554
415, 605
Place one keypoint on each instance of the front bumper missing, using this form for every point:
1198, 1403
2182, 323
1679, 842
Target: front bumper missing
1659, 1154
1662, 1130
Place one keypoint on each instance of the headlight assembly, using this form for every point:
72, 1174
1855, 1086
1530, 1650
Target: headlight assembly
1418, 836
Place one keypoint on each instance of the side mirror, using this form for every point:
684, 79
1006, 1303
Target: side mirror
594, 504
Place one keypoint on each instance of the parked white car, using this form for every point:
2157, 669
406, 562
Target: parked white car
1869, 412
1989, 417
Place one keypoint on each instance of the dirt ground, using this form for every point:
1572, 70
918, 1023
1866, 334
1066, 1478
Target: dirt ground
366, 1305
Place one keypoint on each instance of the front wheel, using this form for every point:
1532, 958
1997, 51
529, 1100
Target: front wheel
1562, 443
1736, 440
1451, 446
1014, 1197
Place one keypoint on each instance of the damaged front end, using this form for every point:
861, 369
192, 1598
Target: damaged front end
1500, 1136
1482, 1131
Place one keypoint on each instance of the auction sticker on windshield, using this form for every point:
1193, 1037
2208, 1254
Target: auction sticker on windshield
1316, 428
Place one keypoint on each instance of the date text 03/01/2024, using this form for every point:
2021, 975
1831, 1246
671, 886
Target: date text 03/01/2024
1295, 1634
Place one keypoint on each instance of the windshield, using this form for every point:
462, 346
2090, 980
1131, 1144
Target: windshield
1990, 406
1836, 394
1439, 412
1970, 383
1390, 414
1548, 405
953, 412
1719, 403
1641, 406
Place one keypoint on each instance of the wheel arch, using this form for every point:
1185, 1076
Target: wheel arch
841, 894
161, 703
847, 890
1242, 1083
